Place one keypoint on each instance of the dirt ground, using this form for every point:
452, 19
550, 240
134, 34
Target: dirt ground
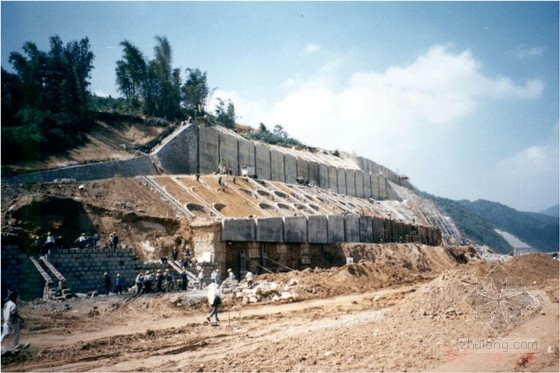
367, 316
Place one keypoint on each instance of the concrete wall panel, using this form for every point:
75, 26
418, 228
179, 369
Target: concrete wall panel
246, 154
367, 185
277, 165
333, 179
295, 229
290, 168
239, 230
229, 152
335, 225
366, 229
314, 177
350, 183
209, 151
263, 161
323, 176
378, 229
359, 184
317, 229
270, 230
352, 228
302, 169
179, 154
341, 180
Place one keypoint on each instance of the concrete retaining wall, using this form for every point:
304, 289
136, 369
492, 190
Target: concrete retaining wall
270, 230
336, 228
352, 228
209, 150
295, 229
263, 168
317, 229
277, 165
239, 230
179, 155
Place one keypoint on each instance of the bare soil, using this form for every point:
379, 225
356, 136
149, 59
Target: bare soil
360, 317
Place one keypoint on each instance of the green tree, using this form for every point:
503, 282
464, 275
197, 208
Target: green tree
195, 92
225, 115
131, 73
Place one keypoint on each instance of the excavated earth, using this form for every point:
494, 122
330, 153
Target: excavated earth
402, 308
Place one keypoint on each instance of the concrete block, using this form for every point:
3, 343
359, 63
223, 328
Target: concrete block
352, 228
263, 161
290, 168
270, 230
335, 224
239, 230
366, 229
179, 155
295, 229
317, 229
277, 165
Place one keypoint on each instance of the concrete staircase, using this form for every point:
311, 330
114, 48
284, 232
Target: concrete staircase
48, 272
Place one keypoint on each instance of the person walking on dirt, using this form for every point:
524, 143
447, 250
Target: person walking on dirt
118, 284
12, 320
107, 283
214, 300
217, 277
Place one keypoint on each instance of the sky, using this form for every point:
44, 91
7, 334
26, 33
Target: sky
461, 97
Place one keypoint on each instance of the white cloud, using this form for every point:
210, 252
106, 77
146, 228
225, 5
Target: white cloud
100, 93
528, 178
312, 48
530, 52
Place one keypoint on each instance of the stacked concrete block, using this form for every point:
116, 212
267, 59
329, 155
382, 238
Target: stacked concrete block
229, 152
84, 269
239, 230
323, 176
209, 150
290, 168
277, 165
336, 228
317, 229
352, 228
295, 229
263, 168
270, 230
19, 274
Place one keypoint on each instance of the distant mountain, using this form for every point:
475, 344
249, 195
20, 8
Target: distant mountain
540, 231
472, 226
552, 211
478, 221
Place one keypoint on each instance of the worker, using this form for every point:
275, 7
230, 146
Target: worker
12, 320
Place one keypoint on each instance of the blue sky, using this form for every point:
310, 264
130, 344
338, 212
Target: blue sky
462, 97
